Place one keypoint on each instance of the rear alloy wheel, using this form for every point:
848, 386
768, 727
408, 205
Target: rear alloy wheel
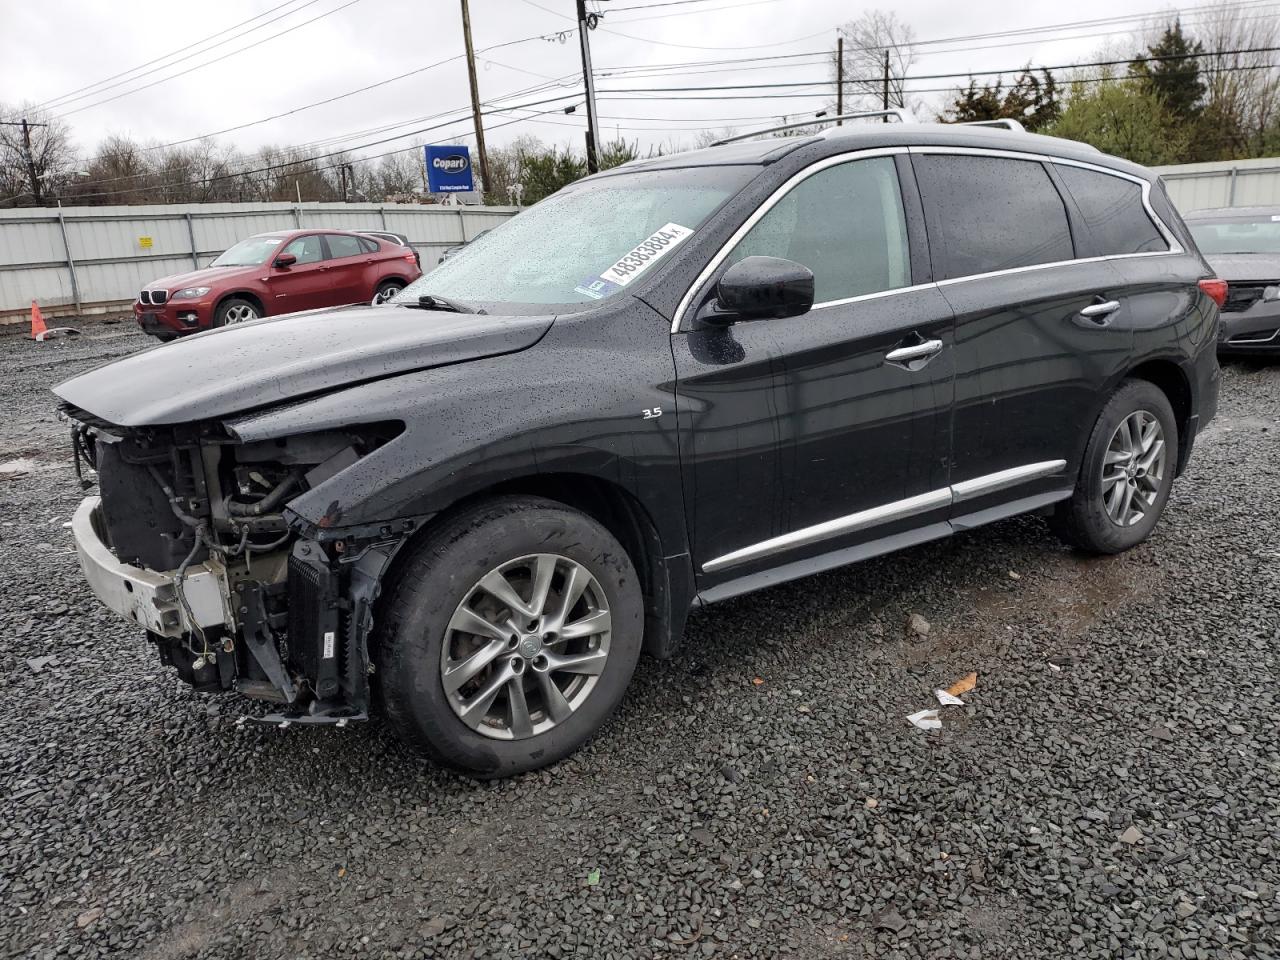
508, 637
235, 310
1133, 468
1126, 475
386, 291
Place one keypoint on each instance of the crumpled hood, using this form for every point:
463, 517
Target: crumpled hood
1245, 266
207, 277
252, 365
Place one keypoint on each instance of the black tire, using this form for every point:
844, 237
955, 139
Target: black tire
165, 337
232, 307
386, 290
431, 583
1083, 521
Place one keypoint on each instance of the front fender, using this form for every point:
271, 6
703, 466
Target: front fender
585, 401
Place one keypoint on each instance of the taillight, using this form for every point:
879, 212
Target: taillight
1216, 289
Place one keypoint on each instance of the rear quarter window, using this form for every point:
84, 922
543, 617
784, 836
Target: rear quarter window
986, 214
1113, 213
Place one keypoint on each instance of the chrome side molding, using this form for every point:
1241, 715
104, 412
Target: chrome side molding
993, 482
888, 512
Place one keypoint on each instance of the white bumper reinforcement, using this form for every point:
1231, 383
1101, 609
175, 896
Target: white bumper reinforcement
145, 597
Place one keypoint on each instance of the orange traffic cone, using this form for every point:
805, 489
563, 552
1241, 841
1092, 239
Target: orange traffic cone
40, 332
38, 329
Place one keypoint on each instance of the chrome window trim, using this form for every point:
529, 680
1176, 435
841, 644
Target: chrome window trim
888, 512
1175, 248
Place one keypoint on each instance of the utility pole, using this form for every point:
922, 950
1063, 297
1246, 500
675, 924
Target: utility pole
839, 78
342, 169
585, 24
884, 96
27, 154
475, 98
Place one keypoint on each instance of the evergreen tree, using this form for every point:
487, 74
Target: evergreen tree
1174, 72
1032, 101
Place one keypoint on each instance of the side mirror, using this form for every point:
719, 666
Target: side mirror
285, 260
758, 288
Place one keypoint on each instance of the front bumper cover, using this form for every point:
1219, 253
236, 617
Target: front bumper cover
1256, 329
174, 317
142, 596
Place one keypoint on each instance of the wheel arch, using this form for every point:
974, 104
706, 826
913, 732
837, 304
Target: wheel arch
1174, 383
242, 295
666, 585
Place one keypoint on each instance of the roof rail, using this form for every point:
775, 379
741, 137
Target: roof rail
1007, 122
902, 115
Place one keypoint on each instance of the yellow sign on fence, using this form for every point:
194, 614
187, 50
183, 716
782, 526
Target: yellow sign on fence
144, 243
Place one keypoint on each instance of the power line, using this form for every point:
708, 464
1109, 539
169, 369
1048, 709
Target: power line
950, 76
824, 56
199, 66
173, 53
349, 93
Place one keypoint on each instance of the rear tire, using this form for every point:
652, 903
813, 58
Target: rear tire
440, 619
235, 310
1126, 475
386, 290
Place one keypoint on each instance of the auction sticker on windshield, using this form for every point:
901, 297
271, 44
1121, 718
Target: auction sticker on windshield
641, 257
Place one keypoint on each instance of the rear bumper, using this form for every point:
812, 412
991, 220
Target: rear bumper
173, 318
142, 596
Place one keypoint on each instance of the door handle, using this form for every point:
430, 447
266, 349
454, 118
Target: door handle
917, 351
1097, 312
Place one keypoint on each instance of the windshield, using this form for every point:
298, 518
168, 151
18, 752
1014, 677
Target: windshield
248, 253
1237, 234
585, 243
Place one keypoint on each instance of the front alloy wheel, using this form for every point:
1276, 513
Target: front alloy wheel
526, 646
508, 635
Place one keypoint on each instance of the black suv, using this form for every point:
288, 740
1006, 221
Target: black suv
690, 377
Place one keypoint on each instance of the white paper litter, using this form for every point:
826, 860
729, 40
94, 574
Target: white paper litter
947, 699
926, 720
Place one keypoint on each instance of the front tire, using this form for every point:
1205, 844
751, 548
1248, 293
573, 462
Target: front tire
1126, 475
235, 310
508, 637
386, 290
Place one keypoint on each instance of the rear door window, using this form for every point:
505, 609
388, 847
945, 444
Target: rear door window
343, 246
1113, 212
986, 214
845, 223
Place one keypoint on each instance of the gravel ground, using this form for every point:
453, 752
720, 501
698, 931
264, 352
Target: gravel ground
1111, 789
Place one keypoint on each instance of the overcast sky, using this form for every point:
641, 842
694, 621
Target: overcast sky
53, 47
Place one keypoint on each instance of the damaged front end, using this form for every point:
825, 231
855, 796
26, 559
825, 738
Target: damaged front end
192, 539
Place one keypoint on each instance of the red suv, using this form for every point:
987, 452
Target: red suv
276, 273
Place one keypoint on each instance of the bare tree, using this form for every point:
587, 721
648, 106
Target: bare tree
1242, 98
871, 41
52, 161
707, 138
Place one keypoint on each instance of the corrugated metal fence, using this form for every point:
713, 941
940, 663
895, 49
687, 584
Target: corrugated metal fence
1234, 183
93, 259
89, 259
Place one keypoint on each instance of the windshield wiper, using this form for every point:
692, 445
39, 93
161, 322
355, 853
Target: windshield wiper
433, 301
